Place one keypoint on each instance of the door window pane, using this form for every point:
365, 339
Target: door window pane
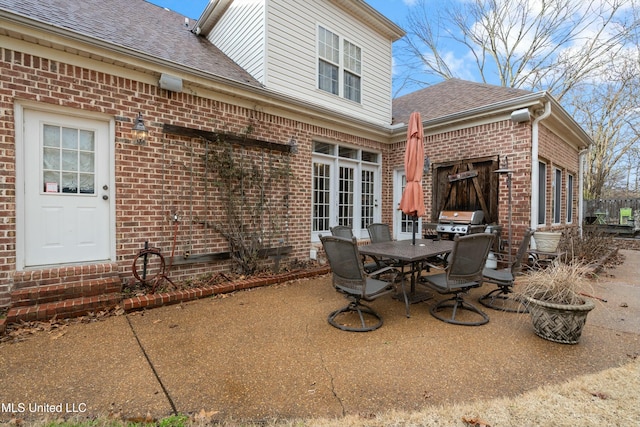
345, 191
321, 196
345, 196
368, 198
68, 160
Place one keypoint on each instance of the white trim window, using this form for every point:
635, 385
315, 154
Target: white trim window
569, 198
542, 193
345, 188
556, 185
334, 62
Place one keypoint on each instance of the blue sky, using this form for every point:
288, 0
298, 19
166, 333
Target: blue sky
392, 9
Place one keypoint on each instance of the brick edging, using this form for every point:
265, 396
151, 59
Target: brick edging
175, 297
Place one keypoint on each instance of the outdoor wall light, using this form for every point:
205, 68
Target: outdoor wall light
521, 116
139, 132
427, 165
293, 146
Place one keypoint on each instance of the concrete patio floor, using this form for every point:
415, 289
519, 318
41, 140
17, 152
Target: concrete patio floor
269, 353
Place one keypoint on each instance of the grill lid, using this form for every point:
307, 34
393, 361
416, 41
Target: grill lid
461, 217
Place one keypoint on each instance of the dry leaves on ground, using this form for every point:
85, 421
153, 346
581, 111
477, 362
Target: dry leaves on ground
55, 327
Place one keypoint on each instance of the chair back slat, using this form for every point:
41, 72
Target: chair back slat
468, 258
342, 231
344, 259
379, 232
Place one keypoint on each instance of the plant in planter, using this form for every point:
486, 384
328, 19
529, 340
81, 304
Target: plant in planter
558, 309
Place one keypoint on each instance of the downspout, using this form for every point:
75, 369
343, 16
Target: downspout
534, 164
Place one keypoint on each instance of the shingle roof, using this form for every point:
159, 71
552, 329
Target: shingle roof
137, 25
449, 97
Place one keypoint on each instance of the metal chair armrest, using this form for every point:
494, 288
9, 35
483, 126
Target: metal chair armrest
381, 271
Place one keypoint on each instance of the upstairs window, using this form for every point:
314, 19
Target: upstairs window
329, 62
339, 70
352, 71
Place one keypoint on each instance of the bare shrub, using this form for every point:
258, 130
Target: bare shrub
588, 248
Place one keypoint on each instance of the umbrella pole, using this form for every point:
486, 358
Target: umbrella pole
413, 228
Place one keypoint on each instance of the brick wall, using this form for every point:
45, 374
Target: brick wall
503, 138
558, 155
166, 176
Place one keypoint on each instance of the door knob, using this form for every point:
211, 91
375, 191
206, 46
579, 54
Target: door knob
105, 197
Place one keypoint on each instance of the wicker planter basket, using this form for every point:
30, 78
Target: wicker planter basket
560, 323
547, 241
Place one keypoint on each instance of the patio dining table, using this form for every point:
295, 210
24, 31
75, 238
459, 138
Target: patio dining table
406, 253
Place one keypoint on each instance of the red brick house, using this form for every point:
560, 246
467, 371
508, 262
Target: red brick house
274, 117
473, 125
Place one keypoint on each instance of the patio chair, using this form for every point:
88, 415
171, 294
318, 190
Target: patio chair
347, 233
342, 231
500, 298
350, 279
379, 232
463, 272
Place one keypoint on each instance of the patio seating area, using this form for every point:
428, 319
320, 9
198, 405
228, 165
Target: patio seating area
269, 353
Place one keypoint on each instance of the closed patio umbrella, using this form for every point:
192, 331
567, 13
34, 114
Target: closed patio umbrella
412, 202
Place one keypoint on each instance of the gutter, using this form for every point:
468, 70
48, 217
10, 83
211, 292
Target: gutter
507, 106
535, 171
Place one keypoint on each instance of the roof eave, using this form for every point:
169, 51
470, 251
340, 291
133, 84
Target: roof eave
211, 15
361, 10
220, 83
531, 101
34, 24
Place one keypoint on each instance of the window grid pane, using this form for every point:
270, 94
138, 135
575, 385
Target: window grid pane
321, 196
368, 198
328, 77
352, 58
345, 196
351, 87
68, 160
557, 195
542, 188
328, 46
569, 198
405, 220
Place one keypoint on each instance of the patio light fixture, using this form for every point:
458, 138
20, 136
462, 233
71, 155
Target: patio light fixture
426, 168
293, 146
139, 132
504, 170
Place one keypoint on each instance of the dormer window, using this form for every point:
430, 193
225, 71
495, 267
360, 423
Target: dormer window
338, 58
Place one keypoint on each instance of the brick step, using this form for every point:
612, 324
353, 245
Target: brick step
36, 295
63, 275
73, 307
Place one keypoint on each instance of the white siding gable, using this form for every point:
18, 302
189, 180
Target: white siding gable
240, 34
292, 57
277, 42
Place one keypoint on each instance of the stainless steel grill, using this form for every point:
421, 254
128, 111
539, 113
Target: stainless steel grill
451, 223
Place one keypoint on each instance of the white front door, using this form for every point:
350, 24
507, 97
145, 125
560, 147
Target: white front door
66, 189
402, 223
